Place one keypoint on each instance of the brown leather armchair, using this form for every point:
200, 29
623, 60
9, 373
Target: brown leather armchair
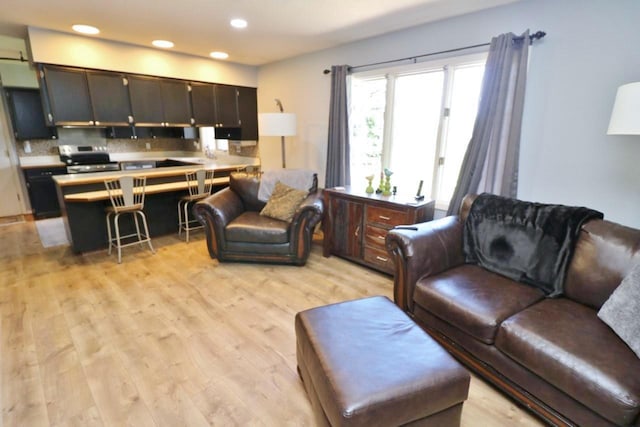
236, 231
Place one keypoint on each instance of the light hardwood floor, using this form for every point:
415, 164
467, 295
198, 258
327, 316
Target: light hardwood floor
171, 339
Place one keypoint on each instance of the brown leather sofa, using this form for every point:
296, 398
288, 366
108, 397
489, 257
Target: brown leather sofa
552, 355
236, 231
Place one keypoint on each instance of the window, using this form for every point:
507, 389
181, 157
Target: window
416, 121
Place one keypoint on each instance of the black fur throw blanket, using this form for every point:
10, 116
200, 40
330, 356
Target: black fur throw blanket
528, 242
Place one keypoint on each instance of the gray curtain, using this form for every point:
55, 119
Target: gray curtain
338, 169
491, 162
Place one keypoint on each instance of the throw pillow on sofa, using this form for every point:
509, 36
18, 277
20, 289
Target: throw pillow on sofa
622, 310
283, 202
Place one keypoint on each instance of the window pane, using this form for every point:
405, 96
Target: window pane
467, 82
366, 120
416, 115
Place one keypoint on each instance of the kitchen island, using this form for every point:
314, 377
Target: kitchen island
83, 200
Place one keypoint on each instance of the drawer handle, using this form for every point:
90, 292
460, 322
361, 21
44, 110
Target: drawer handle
384, 218
383, 259
380, 237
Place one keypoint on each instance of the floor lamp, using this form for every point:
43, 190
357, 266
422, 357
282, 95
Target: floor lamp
278, 124
625, 117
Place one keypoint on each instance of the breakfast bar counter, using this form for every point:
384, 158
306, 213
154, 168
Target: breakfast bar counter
83, 199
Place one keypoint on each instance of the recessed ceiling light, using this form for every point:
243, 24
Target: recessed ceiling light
165, 44
85, 29
219, 55
238, 23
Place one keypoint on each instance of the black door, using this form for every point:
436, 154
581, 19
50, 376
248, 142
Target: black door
146, 101
176, 102
203, 103
109, 98
226, 106
68, 96
248, 111
27, 116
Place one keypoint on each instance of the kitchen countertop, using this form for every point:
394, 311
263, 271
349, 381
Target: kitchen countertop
221, 161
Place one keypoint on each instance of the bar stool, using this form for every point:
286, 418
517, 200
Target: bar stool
127, 196
199, 183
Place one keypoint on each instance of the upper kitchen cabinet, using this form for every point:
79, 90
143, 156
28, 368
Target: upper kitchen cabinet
66, 96
226, 106
248, 112
109, 98
176, 103
159, 102
146, 101
203, 102
27, 116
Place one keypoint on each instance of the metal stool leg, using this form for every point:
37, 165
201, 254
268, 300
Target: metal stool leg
186, 219
179, 218
135, 220
116, 223
110, 241
146, 230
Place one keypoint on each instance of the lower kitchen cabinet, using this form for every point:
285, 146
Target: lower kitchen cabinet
42, 190
356, 224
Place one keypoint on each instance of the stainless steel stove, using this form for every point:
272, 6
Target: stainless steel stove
86, 158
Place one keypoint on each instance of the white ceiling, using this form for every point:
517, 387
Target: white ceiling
277, 29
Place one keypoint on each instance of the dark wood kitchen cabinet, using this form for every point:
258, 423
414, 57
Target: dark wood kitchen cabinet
159, 102
226, 106
66, 96
356, 224
27, 116
146, 101
42, 190
176, 103
109, 98
248, 113
203, 102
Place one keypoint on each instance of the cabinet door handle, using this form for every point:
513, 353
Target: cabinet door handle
384, 218
357, 231
383, 259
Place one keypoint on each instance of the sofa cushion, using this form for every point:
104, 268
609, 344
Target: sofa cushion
251, 227
566, 344
473, 299
604, 255
622, 310
284, 202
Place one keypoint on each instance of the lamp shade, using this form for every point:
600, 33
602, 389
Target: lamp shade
277, 124
625, 118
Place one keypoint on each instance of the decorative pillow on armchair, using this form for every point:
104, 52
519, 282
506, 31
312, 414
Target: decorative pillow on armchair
283, 202
622, 310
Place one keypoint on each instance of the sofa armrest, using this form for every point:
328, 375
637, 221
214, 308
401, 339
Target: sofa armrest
306, 217
420, 250
214, 213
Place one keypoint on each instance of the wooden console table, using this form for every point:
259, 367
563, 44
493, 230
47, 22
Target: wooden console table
356, 224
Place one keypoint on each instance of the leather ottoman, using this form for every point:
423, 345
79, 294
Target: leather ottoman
366, 363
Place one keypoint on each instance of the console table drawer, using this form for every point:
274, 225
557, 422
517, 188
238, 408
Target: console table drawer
374, 236
385, 216
379, 258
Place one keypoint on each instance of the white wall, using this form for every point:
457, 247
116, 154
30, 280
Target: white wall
566, 157
53, 47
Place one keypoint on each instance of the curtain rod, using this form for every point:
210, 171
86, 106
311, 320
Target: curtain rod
532, 37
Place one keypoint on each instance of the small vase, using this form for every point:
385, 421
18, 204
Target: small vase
387, 186
369, 189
